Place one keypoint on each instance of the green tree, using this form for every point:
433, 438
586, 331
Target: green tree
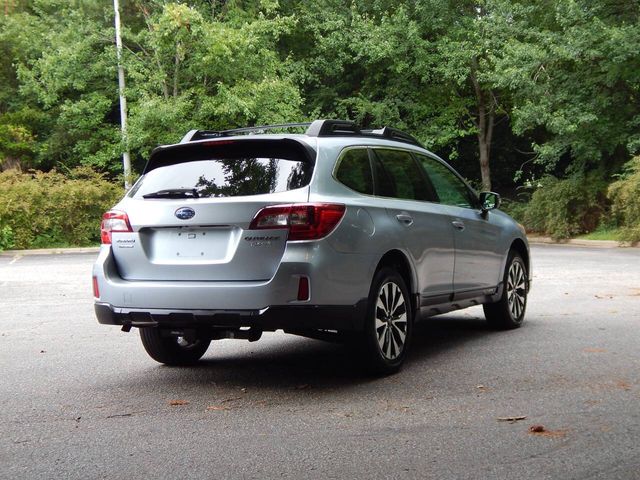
426, 66
190, 70
62, 66
573, 72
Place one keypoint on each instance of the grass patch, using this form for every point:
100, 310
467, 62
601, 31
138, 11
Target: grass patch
603, 233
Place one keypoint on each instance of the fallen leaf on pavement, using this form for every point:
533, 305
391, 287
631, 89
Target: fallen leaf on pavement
623, 385
541, 431
175, 403
512, 419
218, 407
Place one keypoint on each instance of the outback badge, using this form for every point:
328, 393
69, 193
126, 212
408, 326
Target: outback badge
185, 213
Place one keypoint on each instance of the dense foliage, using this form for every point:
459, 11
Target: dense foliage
625, 198
512, 92
50, 209
569, 207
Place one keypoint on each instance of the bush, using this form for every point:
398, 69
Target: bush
569, 207
40, 210
515, 208
625, 201
6, 238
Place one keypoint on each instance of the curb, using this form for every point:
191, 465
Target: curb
49, 251
581, 243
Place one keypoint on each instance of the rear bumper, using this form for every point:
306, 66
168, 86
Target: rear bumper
288, 318
335, 279
337, 295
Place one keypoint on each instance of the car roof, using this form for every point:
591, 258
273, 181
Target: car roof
316, 129
319, 134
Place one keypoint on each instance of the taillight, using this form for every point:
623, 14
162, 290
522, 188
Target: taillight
305, 221
113, 221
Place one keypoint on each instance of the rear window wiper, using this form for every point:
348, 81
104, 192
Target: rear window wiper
174, 193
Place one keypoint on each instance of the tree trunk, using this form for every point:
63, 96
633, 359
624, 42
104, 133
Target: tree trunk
176, 70
10, 163
484, 123
163, 76
485, 170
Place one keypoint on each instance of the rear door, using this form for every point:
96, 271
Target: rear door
426, 233
191, 212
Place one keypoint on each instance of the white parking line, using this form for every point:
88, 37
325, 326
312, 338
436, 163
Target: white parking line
15, 259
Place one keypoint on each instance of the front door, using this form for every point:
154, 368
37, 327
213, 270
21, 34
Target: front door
478, 260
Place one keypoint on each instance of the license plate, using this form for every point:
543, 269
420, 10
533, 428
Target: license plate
194, 243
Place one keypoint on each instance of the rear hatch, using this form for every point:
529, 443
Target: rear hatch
191, 210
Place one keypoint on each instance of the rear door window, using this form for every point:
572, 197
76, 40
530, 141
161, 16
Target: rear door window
399, 176
354, 170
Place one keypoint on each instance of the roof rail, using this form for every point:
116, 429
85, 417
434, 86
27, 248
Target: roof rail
330, 128
394, 134
264, 128
203, 134
318, 128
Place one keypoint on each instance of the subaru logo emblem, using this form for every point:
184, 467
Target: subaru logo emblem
185, 213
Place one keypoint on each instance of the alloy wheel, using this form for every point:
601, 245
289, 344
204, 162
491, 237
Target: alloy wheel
516, 289
391, 320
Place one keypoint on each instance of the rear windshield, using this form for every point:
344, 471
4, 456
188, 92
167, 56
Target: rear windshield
229, 172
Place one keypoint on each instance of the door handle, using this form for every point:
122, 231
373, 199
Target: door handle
406, 220
458, 224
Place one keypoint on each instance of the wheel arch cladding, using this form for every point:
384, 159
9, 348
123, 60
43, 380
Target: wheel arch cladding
519, 246
399, 261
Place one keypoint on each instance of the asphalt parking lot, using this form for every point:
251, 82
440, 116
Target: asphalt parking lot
81, 400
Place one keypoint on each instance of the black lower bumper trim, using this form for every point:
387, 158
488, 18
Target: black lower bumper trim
291, 317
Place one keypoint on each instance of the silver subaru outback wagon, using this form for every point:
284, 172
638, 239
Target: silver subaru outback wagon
336, 233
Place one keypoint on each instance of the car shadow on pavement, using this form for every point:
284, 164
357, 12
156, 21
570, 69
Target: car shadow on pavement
291, 363
435, 335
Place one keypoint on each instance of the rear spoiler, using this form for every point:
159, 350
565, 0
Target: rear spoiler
236, 147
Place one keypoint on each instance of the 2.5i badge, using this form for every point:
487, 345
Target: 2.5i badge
262, 240
126, 243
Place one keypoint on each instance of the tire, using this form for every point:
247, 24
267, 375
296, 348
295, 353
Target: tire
508, 312
388, 328
172, 350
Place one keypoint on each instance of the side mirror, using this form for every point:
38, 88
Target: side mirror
489, 201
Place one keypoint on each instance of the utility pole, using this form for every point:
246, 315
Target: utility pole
126, 160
